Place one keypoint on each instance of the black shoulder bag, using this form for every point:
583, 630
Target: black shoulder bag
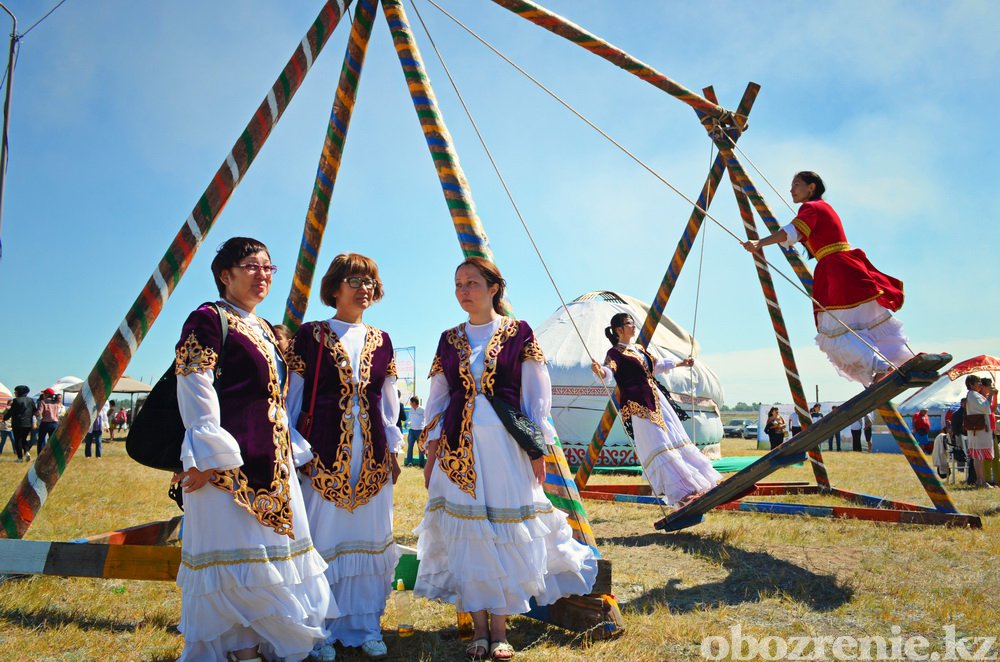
157, 431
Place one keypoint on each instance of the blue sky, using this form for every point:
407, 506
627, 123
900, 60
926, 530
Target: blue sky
123, 111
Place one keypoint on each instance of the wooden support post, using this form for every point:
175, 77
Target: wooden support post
918, 462
42, 477
655, 314
329, 163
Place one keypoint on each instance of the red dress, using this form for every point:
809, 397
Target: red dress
844, 278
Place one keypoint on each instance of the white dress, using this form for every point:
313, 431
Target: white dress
673, 465
242, 584
507, 544
980, 442
359, 545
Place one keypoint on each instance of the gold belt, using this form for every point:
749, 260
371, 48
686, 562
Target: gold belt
830, 249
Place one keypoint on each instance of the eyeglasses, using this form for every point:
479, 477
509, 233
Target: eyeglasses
355, 282
252, 268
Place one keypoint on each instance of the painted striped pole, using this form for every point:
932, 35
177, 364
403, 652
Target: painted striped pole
454, 185
42, 476
329, 163
567, 29
918, 462
695, 220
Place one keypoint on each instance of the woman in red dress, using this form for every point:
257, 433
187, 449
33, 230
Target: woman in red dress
848, 289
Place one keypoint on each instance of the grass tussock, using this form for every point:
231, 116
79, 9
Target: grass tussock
773, 576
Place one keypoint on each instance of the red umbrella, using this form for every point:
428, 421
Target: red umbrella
981, 363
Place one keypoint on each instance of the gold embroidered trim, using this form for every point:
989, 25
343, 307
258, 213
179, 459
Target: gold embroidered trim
458, 463
271, 506
294, 360
269, 559
504, 332
334, 482
422, 440
532, 351
436, 368
634, 408
391, 370
192, 357
801, 226
830, 249
611, 363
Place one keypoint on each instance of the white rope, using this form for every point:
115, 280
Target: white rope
657, 175
510, 196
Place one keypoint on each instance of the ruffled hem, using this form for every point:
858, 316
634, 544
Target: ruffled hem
499, 567
455, 521
849, 355
207, 573
678, 472
981, 453
362, 564
287, 620
355, 629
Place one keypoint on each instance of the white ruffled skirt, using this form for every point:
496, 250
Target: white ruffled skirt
674, 466
361, 556
848, 354
243, 585
498, 550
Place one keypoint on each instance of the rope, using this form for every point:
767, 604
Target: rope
35, 24
657, 175
531, 238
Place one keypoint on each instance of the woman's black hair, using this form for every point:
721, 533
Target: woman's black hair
617, 322
810, 177
21, 390
229, 255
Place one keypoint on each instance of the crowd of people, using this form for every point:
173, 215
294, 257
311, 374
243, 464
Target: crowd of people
969, 438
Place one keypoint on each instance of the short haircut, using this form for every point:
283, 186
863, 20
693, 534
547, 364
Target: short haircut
229, 255
971, 380
283, 332
347, 265
415, 400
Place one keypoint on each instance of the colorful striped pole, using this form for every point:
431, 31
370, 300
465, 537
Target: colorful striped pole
42, 476
918, 462
329, 163
454, 185
616, 56
666, 288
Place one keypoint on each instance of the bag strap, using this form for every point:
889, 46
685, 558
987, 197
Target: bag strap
315, 386
224, 323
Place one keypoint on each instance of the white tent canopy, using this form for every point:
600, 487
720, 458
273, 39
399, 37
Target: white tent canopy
578, 398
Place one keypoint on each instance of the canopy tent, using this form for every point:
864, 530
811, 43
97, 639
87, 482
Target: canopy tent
949, 389
579, 400
124, 385
5, 395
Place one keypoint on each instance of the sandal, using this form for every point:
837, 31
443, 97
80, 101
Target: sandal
477, 645
501, 647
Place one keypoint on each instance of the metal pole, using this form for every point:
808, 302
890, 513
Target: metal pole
6, 116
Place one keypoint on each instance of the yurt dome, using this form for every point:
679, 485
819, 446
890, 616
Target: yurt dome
579, 399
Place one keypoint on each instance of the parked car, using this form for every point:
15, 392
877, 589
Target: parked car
750, 431
734, 428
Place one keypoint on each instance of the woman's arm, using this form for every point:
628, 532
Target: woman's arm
207, 446
666, 365
778, 237
603, 372
393, 435
437, 403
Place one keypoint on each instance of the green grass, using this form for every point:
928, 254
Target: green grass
780, 576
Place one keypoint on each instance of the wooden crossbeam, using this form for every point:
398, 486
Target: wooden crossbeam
70, 559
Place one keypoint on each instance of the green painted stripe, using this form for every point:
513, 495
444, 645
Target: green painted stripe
204, 207
320, 31
286, 87
454, 203
105, 376
60, 455
563, 503
247, 140
8, 525
322, 195
175, 269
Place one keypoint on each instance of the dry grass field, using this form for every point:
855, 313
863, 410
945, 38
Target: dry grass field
772, 576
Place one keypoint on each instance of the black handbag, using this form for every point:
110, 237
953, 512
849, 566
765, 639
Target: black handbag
524, 431
157, 432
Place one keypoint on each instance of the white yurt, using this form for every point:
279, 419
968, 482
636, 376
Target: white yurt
948, 390
579, 399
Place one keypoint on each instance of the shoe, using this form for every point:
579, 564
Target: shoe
20, 459
374, 648
27, 457
324, 653
501, 650
477, 645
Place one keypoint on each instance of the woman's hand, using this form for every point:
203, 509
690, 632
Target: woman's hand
193, 479
686, 363
538, 468
394, 467
752, 245
432, 449
598, 370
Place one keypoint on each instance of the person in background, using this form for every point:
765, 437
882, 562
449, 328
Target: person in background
992, 467
857, 428
958, 439
283, 335
6, 432
940, 455
793, 423
869, 420
401, 420
50, 407
96, 430
977, 425
112, 425
21, 412
774, 428
836, 435
416, 427
921, 430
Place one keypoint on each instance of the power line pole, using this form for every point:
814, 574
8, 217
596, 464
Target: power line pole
6, 116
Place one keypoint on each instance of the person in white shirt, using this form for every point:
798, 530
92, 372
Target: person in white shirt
416, 421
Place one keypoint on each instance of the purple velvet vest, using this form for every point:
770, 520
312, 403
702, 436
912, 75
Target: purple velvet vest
251, 399
333, 417
637, 392
511, 344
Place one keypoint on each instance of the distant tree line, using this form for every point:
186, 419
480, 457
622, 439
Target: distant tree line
741, 406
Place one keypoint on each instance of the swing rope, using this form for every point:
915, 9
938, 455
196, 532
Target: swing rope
758, 255
534, 245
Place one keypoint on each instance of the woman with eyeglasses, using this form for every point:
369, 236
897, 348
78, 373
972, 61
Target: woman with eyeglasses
854, 301
490, 540
252, 584
343, 398
674, 467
